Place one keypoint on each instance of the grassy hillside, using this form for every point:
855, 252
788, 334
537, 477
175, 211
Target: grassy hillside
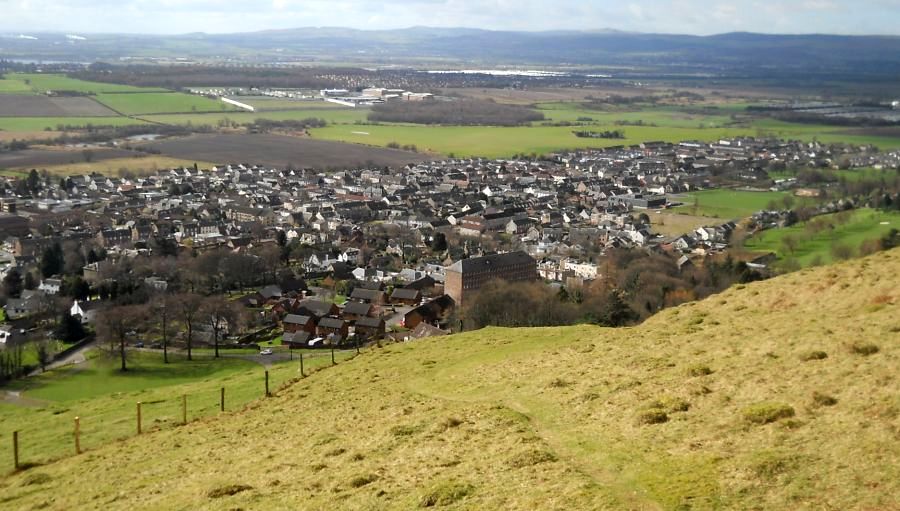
775, 395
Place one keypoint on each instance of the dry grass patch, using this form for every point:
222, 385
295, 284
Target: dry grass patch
764, 413
446, 494
864, 348
227, 491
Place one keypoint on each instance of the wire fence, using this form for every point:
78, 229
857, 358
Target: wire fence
51, 431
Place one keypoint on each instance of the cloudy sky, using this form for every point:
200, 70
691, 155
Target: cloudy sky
670, 16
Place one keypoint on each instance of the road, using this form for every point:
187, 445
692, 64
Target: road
74, 358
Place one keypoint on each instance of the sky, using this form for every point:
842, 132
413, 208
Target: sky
700, 17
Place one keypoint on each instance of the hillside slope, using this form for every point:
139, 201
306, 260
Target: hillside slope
557, 418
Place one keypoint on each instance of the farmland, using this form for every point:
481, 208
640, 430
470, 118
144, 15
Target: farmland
40, 158
280, 151
45, 106
332, 115
135, 163
41, 83
161, 102
811, 246
32, 124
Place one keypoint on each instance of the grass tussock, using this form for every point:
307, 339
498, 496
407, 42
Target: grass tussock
531, 458
446, 494
699, 370
227, 491
764, 413
820, 399
36, 478
362, 480
652, 416
404, 430
813, 355
864, 348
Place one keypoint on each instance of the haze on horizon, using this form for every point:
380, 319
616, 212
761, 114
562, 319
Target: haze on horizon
700, 17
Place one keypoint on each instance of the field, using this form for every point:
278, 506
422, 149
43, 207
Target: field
280, 151
816, 248
32, 124
41, 83
161, 103
672, 224
44, 106
331, 115
40, 158
264, 103
766, 396
135, 163
105, 398
727, 204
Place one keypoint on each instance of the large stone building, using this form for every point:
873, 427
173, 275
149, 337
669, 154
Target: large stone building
469, 275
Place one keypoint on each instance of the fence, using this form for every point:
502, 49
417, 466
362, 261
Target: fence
64, 429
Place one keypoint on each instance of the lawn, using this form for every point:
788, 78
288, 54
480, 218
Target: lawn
105, 399
161, 103
727, 204
31, 124
814, 248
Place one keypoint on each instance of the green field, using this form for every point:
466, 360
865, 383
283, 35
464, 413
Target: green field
262, 103
42, 83
775, 395
105, 399
660, 116
727, 204
162, 102
816, 247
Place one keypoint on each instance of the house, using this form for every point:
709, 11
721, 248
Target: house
293, 323
435, 311
316, 308
358, 310
369, 328
50, 286
373, 296
335, 328
468, 275
296, 340
406, 296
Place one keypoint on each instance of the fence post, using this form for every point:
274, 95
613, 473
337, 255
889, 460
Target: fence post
184, 408
332, 356
77, 435
16, 449
267, 383
138, 417
301, 365
222, 400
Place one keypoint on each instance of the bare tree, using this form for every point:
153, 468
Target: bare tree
113, 326
188, 311
221, 316
163, 308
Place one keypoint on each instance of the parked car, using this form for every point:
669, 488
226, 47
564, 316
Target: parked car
139, 344
267, 351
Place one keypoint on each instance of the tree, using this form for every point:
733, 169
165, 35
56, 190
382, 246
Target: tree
162, 305
30, 282
44, 352
439, 242
220, 315
12, 283
188, 311
113, 326
69, 329
52, 260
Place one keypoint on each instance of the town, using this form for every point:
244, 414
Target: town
342, 258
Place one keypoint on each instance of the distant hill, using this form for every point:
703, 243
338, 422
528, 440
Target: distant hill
734, 54
781, 394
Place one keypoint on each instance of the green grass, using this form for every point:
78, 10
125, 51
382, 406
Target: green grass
11, 85
863, 225
162, 102
105, 400
52, 123
661, 116
727, 204
54, 82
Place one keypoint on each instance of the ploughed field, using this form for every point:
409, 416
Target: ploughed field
46, 106
281, 151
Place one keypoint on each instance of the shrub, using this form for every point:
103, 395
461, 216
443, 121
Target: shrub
813, 355
530, 458
225, 491
653, 416
445, 494
864, 348
764, 413
820, 399
699, 370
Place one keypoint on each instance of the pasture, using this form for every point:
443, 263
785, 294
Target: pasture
162, 102
727, 204
809, 246
15, 105
330, 115
32, 124
41, 83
